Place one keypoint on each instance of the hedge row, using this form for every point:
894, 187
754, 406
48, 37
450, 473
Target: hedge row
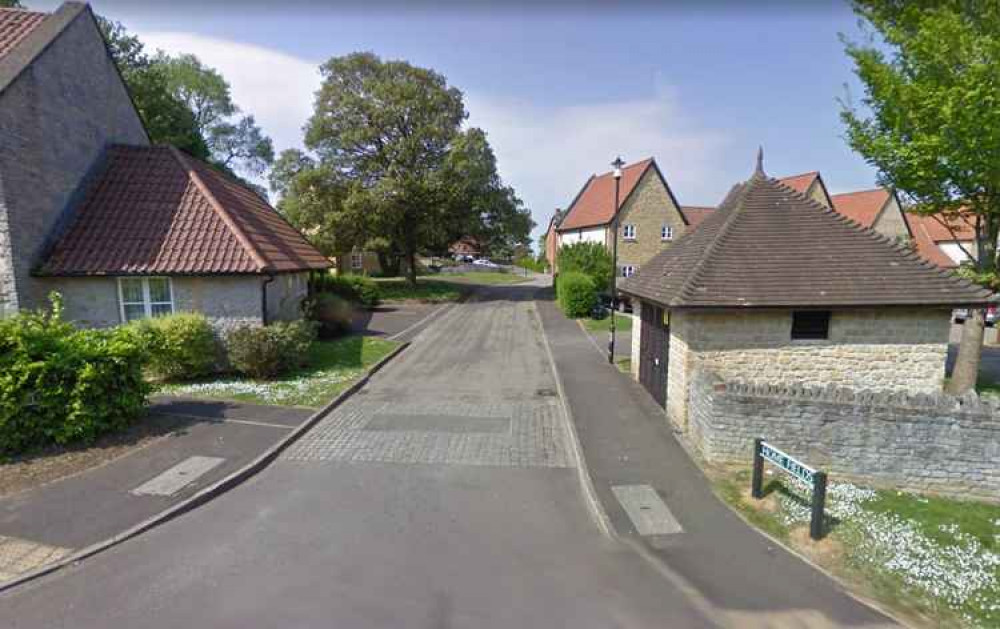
357, 288
576, 293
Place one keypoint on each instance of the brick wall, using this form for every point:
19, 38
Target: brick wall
56, 119
936, 443
649, 208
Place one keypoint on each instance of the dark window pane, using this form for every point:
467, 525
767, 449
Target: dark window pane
811, 324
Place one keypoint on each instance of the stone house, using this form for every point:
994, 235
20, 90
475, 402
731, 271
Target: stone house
777, 287
121, 228
649, 217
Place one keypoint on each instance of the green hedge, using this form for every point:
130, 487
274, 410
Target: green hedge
265, 352
333, 313
590, 258
532, 264
357, 288
62, 385
577, 294
180, 346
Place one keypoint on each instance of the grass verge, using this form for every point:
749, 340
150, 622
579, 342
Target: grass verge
483, 277
935, 561
427, 290
623, 323
333, 366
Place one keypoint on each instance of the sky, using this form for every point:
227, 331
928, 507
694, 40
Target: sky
561, 87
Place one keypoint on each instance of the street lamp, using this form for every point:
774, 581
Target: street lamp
617, 174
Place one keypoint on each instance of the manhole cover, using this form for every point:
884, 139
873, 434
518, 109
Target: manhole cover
545, 393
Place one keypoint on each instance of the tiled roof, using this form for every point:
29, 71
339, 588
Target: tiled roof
595, 205
695, 214
769, 245
925, 245
15, 25
800, 183
154, 210
863, 206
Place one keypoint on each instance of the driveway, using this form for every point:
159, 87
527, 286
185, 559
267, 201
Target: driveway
443, 495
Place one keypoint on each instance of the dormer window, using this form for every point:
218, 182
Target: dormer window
628, 232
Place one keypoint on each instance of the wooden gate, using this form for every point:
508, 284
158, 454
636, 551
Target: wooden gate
654, 353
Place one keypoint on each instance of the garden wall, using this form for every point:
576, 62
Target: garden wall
920, 442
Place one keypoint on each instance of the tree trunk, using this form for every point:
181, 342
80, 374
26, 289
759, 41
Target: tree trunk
389, 264
411, 261
966, 371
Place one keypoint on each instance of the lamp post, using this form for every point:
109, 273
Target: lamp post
617, 174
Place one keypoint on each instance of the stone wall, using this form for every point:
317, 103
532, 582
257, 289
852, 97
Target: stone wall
933, 443
648, 208
56, 119
285, 295
891, 222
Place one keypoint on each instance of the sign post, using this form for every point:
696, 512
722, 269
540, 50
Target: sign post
814, 479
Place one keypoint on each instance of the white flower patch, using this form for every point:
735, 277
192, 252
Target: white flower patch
302, 389
963, 574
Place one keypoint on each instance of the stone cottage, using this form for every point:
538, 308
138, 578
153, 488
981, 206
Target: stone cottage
649, 217
121, 228
776, 287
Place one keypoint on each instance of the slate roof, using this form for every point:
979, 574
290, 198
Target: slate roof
769, 245
15, 25
595, 204
154, 210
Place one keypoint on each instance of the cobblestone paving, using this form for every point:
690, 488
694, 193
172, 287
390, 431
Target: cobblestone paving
535, 437
18, 556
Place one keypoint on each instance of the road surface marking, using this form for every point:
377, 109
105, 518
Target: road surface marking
179, 476
649, 514
18, 556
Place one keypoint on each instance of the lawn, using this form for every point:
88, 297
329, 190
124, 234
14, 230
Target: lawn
936, 561
333, 366
483, 277
623, 323
426, 290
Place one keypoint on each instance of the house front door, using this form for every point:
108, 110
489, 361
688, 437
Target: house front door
654, 353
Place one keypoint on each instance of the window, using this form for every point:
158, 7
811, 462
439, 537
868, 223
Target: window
666, 232
811, 324
357, 261
628, 270
143, 297
628, 232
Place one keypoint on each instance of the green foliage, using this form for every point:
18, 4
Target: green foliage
333, 312
265, 352
62, 385
532, 264
180, 346
357, 288
931, 86
577, 294
589, 258
425, 290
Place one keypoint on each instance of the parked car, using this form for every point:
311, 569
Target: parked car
486, 263
961, 314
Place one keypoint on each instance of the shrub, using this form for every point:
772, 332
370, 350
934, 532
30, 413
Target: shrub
532, 264
180, 346
265, 352
577, 295
357, 288
589, 258
61, 385
333, 313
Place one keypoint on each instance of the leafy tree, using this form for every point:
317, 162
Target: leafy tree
932, 87
589, 258
11, 4
167, 119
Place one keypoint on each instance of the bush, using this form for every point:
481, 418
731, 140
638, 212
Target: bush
62, 385
589, 258
180, 346
532, 264
265, 352
357, 288
577, 294
333, 313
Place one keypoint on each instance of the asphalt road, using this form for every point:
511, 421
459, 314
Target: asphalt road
443, 495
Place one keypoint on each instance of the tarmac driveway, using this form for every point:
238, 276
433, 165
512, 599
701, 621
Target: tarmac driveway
443, 495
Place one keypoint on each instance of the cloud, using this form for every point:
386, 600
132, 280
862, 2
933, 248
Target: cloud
275, 87
545, 151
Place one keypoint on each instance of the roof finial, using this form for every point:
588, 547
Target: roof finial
760, 161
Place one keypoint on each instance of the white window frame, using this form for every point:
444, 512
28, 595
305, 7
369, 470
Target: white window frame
628, 231
146, 303
628, 270
357, 261
666, 232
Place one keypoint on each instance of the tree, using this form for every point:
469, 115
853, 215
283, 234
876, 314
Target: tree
932, 87
167, 119
235, 143
590, 258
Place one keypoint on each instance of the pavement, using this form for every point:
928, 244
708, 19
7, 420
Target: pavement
447, 493
627, 442
395, 320
207, 441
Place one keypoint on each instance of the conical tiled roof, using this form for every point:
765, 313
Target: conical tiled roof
770, 246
